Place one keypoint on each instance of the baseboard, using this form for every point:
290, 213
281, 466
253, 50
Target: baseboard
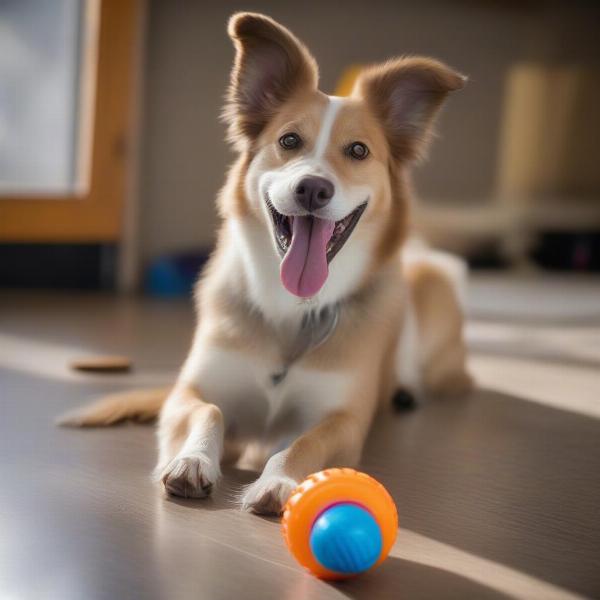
58, 266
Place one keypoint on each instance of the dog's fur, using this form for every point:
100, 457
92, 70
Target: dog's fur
400, 319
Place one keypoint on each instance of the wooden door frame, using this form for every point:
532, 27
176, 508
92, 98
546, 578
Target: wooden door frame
96, 212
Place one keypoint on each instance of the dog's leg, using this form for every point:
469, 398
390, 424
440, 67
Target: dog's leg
337, 440
441, 347
190, 438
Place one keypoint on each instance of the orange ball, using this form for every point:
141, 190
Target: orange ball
322, 490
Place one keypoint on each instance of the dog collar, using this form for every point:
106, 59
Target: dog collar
316, 327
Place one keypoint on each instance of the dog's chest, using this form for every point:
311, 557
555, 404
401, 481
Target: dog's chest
253, 401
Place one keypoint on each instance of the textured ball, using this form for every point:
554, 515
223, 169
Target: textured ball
346, 538
339, 522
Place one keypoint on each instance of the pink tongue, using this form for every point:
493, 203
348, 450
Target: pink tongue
304, 268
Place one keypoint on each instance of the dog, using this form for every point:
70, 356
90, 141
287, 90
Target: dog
312, 309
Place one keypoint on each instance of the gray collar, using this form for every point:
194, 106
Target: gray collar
316, 327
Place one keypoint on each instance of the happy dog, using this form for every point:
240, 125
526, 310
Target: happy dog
310, 313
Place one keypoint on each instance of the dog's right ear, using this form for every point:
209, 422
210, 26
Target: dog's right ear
270, 65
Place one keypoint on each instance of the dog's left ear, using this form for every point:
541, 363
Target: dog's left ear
405, 95
270, 65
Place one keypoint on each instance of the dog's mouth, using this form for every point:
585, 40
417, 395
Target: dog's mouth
308, 244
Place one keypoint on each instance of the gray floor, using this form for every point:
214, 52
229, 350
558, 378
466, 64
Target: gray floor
498, 494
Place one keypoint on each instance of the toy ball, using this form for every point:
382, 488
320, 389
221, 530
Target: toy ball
339, 522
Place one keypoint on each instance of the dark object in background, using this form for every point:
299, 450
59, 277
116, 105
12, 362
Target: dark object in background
403, 400
487, 256
174, 275
58, 266
564, 251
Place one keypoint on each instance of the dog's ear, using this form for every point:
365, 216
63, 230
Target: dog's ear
405, 95
270, 65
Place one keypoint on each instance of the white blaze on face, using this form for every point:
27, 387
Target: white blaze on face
331, 112
279, 184
305, 267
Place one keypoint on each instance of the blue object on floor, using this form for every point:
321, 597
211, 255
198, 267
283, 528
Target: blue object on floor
174, 275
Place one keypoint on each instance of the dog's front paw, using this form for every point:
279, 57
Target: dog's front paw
190, 476
268, 495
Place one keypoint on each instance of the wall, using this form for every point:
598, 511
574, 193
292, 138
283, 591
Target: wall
189, 56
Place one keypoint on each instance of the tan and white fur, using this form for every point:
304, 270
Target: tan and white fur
400, 320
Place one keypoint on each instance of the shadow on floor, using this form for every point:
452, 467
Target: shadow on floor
225, 497
500, 477
396, 575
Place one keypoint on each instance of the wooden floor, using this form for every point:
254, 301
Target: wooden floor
498, 494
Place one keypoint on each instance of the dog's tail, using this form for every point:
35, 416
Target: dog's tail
139, 405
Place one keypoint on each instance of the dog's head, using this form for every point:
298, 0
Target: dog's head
324, 173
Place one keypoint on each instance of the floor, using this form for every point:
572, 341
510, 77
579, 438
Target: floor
498, 493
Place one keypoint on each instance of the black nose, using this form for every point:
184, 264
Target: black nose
314, 192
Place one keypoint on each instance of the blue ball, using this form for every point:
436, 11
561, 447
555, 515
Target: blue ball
346, 539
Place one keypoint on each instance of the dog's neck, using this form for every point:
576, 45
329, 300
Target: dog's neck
246, 273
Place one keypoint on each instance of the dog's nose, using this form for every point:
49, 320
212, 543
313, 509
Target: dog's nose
314, 192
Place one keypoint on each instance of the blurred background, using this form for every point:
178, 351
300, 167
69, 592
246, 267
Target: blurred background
112, 152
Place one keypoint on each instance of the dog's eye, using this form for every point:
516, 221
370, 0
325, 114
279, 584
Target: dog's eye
358, 150
290, 141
